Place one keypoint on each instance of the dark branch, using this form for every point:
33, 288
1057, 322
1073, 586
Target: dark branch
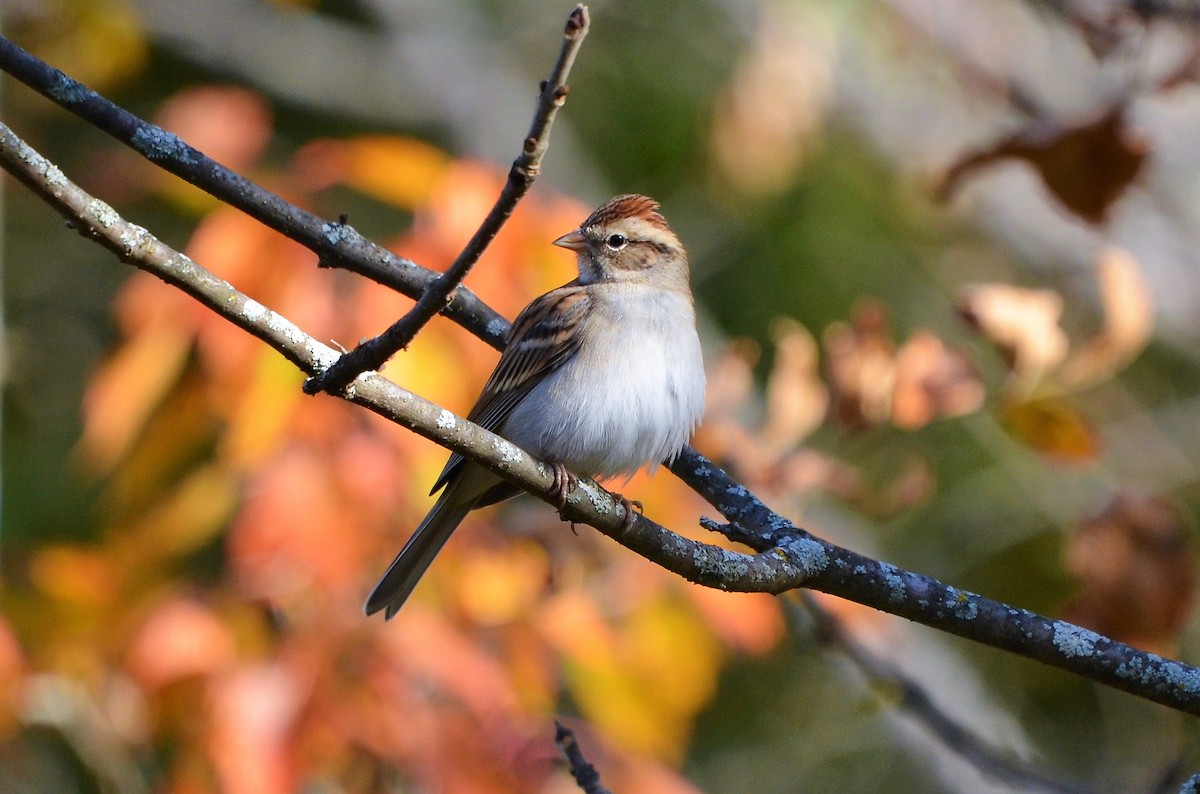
373, 353
584, 773
787, 558
925, 600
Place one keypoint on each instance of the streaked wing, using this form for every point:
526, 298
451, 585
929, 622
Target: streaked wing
543, 338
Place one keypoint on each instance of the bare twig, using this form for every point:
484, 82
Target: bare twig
584, 773
787, 558
916, 701
373, 353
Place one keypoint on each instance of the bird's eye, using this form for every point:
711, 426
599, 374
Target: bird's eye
616, 242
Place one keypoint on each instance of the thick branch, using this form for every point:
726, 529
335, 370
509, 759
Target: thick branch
787, 558
373, 353
336, 244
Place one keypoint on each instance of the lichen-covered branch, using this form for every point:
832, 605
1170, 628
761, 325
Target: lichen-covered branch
372, 353
786, 556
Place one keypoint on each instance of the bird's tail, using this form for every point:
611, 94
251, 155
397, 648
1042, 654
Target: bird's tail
408, 567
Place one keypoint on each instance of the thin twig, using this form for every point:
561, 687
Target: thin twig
373, 353
584, 773
788, 557
917, 702
335, 243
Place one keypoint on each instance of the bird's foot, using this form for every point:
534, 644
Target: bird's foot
630, 505
564, 483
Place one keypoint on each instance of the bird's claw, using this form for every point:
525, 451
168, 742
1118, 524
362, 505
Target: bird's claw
564, 483
630, 505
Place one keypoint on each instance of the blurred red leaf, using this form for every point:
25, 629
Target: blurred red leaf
230, 124
253, 713
180, 638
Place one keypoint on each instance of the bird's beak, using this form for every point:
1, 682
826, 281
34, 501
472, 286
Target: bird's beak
573, 240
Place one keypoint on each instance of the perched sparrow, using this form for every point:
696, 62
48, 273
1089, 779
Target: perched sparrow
600, 376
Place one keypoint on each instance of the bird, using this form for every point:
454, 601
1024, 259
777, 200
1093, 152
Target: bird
601, 376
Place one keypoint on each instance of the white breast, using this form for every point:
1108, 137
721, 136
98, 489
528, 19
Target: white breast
631, 396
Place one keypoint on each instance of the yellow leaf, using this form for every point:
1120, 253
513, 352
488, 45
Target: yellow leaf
184, 520
1053, 426
400, 171
259, 419
496, 586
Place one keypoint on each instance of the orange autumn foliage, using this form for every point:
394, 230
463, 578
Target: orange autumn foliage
260, 669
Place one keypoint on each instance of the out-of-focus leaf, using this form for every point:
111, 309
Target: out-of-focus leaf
252, 720
860, 366
184, 520
1053, 426
127, 388
723, 433
1021, 323
645, 678
495, 586
796, 399
261, 417
294, 533
766, 119
1086, 167
98, 42
232, 125
12, 669
748, 622
933, 381
179, 639
446, 660
400, 171
1128, 321
1136, 567
75, 576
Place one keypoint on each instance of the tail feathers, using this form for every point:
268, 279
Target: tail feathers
408, 567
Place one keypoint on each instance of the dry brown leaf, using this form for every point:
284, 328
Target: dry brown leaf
766, 119
860, 366
796, 398
1086, 167
1128, 321
1136, 567
1021, 323
724, 434
933, 381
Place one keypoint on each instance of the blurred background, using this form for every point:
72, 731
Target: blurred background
946, 259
